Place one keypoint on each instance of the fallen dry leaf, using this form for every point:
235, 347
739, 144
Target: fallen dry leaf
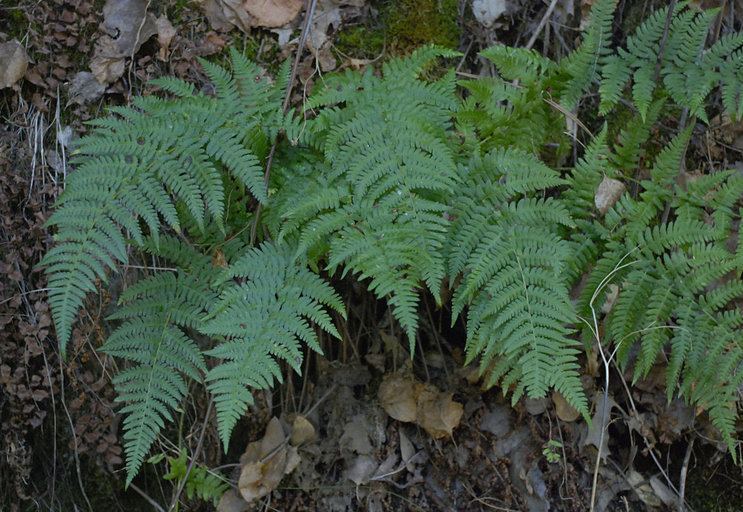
564, 410
593, 436
302, 431
232, 502
438, 414
165, 34
265, 463
488, 11
272, 13
355, 437
406, 399
361, 469
607, 194
127, 25
13, 63
407, 451
397, 397
223, 15
497, 421
84, 88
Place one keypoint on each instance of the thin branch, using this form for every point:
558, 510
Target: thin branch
147, 498
664, 38
682, 478
541, 25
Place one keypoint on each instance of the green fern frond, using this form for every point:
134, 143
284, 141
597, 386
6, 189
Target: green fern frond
390, 168
519, 63
262, 319
156, 313
584, 64
505, 240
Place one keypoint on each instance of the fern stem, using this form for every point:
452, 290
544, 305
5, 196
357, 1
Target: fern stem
310, 10
664, 39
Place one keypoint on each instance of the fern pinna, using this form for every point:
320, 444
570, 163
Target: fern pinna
409, 182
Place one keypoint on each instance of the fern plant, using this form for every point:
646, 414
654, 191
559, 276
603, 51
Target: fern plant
412, 180
169, 160
680, 282
200, 482
139, 163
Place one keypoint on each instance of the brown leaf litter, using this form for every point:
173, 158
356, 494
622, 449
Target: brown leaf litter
408, 400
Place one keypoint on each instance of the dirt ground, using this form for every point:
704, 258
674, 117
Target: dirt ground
59, 431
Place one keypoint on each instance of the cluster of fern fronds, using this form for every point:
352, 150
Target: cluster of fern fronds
416, 185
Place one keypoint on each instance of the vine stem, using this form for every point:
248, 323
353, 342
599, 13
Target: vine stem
309, 13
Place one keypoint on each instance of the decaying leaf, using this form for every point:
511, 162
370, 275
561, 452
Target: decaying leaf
355, 436
84, 88
607, 194
13, 63
406, 399
361, 469
593, 436
265, 463
165, 34
127, 25
488, 11
438, 414
223, 15
497, 421
564, 410
303, 431
232, 502
397, 397
407, 451
272, 13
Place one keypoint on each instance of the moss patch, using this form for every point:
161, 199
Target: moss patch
400, 26
412, 23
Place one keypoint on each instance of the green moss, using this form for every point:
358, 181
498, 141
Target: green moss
412, 23
400, 26
361, 41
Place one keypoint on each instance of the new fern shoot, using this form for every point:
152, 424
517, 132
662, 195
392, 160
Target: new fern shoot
412, 185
